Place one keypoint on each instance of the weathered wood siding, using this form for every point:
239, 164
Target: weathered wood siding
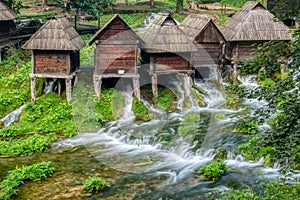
117, 31
244, 51
210, 47
7, 28
111, 58
169, 62
51, 62
117, 48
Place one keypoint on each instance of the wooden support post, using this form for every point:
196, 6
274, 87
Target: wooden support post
154, 86
136, 87
235, 63
59, 87
186, 79
33, 89
69, 89
97, 87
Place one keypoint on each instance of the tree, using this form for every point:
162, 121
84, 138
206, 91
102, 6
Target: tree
179, 6
152, 3
15, 5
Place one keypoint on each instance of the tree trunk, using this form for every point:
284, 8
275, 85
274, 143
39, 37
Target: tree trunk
45, 2
179, 6
152, 3
192, 5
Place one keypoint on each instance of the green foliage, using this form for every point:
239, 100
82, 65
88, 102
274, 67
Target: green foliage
271, 57
87, 52
86, 118
140, 110
93, 7
9, 186
253, 151
273, 190
247, 125
15, 5
25, 146
95, 184
165, 99
15, 86
214, 170
189, 124
111, 104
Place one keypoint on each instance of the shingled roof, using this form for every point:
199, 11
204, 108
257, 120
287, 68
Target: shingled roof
255, 23
6, 13
194, 25
115, 37
164, 36
56, 34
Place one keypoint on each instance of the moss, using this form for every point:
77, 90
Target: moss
166, 99
189, 124
140, 110
221, 154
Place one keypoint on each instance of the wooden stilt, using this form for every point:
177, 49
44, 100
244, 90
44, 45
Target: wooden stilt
97, 86
235, 64
33, 89
69, 90
186, 79
154, 86
136, 87
59, 87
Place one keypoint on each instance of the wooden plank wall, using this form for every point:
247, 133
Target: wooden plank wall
111, 58
245, 51
174, 62
208, 54
51, 62
7, 28
117, 30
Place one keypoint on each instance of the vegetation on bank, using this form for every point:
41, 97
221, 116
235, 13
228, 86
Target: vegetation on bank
277, 65
95, 184
214, 170
9, 186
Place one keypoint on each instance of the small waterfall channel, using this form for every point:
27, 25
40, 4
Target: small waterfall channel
155, 150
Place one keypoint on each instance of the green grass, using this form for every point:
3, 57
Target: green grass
9, 186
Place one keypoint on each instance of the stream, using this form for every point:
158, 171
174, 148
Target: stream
150, 160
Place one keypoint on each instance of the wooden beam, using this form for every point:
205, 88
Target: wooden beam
59, 87
97, 86
136, 88
186, 80
33, 89
69, 90
154, 87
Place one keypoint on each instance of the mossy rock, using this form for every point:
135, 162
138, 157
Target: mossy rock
221, 154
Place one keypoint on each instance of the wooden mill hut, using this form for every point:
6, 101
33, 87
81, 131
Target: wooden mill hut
250, 26
7, 25
55, 53
167, 50
213, 48
116, 54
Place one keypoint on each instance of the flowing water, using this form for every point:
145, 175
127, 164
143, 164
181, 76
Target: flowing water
151, 160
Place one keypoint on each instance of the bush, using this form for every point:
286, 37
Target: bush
9, 186
213, 170
95, 184
140, 111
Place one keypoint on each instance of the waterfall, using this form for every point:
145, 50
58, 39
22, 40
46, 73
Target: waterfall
13, 116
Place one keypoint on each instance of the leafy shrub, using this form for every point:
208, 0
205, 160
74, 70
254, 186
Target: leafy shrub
95, 184
25, 146
247, 125
165, 99
140, 111
110, 107
273, 190
214, 170
9, 186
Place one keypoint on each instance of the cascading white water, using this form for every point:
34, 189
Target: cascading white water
13, 116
